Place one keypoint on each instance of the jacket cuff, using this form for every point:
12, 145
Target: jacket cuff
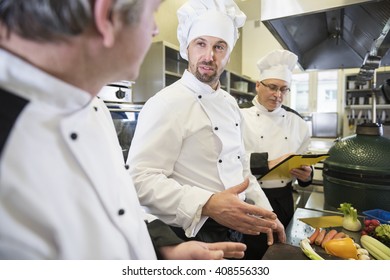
162, 235
259, 163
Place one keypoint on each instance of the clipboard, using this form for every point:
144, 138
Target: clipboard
282, 169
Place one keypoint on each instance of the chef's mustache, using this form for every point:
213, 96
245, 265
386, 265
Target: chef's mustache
207, 63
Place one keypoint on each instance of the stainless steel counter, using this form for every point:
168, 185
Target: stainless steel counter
298, 230
314, 207
295, 232
316, 201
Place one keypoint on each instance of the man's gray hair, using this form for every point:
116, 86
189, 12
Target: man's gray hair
54, 20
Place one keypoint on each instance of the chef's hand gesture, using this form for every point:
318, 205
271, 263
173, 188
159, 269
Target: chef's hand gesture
227, 209
197, 250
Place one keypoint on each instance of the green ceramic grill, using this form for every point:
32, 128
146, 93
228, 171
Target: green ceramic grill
358, 170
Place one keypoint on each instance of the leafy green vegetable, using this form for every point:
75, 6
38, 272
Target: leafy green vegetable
348, 210
382, 233
350, 220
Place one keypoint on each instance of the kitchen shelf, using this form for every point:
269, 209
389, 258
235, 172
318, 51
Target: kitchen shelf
236, 91
358, 103
359, 91
169, 73
232, 82
163, 66
368, 90
368, 107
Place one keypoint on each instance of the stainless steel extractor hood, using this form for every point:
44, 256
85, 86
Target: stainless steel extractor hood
330, 34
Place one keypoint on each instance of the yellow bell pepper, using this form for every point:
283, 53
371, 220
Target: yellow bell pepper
343, 248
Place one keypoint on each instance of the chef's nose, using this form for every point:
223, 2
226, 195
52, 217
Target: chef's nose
210, 54
277, 93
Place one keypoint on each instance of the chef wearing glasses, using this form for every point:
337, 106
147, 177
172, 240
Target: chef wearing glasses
274, 131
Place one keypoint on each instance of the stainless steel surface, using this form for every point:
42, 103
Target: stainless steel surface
297, 230
117, 92
273, 9
331, 34
373, 98
123, 107
124, 116
385, 88
316, 201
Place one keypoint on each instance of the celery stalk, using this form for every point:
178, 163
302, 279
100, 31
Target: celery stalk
308, 250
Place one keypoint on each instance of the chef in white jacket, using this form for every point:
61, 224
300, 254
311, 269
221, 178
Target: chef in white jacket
65, 192
273, 131
187, 156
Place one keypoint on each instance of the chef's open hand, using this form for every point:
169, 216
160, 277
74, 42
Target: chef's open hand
227, 209
196, 250
303, 173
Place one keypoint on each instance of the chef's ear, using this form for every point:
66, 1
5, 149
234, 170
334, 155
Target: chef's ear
103, 20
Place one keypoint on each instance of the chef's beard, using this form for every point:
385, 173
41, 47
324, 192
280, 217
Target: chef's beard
205, 78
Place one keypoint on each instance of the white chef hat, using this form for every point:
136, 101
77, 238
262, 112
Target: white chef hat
217, 18
277, 64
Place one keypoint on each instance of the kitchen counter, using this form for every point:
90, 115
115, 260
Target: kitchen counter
298, 230
316, 201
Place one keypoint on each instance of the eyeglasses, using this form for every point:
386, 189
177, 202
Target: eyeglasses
275, 88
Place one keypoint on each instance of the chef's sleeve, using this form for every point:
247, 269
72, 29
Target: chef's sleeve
259, 163
161, 235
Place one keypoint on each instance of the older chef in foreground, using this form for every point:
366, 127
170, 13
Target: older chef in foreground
274, 131
64, 190
187, 156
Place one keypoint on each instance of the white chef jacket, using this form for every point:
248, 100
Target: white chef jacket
64, 190
188, 145
278, 132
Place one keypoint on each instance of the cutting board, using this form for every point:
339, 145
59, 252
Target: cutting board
280, 251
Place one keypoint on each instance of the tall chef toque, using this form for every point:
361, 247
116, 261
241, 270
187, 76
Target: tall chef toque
278, 64
217, 18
